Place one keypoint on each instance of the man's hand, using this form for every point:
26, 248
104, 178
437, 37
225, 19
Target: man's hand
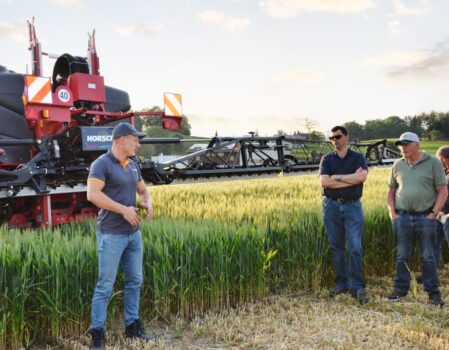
431, 216
148, 209
393, 215
131, 215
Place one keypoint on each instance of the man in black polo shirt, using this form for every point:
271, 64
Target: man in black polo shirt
112, 184
342, 174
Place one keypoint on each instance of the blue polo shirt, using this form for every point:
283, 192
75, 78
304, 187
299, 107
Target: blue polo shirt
332, 164
120, 181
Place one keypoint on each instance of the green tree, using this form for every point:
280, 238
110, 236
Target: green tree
394, 126
310, 125
435, 135
355, 130
415, 124
316, 135
280, 133
437, 125
138, 123
152, 121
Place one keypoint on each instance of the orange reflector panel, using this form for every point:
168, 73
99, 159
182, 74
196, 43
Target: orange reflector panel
46, 114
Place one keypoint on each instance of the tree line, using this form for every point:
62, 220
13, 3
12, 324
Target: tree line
433, 126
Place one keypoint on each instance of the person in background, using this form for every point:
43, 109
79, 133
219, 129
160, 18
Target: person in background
443, 227
417, 192
112, 184
342, 174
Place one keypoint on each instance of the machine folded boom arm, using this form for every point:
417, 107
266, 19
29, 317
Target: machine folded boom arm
229, 156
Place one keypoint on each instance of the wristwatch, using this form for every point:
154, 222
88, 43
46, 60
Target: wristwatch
435, 213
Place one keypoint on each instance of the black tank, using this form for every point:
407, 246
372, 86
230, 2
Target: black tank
12, 122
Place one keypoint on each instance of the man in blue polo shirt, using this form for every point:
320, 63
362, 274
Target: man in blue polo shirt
342, 174
112, 184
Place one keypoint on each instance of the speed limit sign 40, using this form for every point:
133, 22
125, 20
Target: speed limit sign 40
64, 95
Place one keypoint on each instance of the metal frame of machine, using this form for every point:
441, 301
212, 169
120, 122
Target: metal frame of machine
254, 155
46, 140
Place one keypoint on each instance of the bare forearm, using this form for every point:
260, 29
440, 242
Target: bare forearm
146, 197
353, 179
343, 180
333, 184
441, 199
104, 202
391, 202
144, 194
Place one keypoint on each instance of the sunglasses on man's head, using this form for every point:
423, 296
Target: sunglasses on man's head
336, 137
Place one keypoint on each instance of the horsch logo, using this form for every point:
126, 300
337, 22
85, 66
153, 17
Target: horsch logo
99, 138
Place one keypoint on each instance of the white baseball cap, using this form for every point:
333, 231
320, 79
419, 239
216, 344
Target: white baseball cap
406, 138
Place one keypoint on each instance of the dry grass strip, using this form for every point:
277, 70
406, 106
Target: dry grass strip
305, 321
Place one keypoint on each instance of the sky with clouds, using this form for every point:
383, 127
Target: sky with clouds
245, 65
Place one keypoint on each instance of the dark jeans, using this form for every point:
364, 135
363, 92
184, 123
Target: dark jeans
406, 228
344, 222
442, 231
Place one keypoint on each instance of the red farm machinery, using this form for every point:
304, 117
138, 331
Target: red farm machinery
51, 129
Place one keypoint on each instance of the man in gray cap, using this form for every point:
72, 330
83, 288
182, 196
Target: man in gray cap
417, 192
112, 184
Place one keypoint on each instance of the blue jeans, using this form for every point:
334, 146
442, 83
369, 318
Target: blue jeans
442, 231
114, 250
344, 222
406, 227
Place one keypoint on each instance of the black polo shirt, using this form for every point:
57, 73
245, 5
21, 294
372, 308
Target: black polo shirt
332, 164
120, 184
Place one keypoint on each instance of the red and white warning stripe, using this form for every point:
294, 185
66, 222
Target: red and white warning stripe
173, 105
38, 89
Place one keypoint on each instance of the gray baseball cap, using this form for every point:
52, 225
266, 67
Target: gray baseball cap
406, 138
125, 129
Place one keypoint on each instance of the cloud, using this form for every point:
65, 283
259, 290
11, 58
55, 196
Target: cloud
266, 125
15, 31
425, 64
230, 23
402, 9
291, 8
368, 18
433, 65
395, 58
394, 26
69, 3
302, 76
133, 30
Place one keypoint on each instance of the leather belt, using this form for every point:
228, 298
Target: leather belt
413, 212
344, 200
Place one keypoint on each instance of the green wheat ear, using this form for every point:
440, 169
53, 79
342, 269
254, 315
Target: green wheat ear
142, 212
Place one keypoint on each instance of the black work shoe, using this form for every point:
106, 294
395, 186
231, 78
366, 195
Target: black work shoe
362, 296
396, 296
97, 339
435, 299
334, 292
136, 331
